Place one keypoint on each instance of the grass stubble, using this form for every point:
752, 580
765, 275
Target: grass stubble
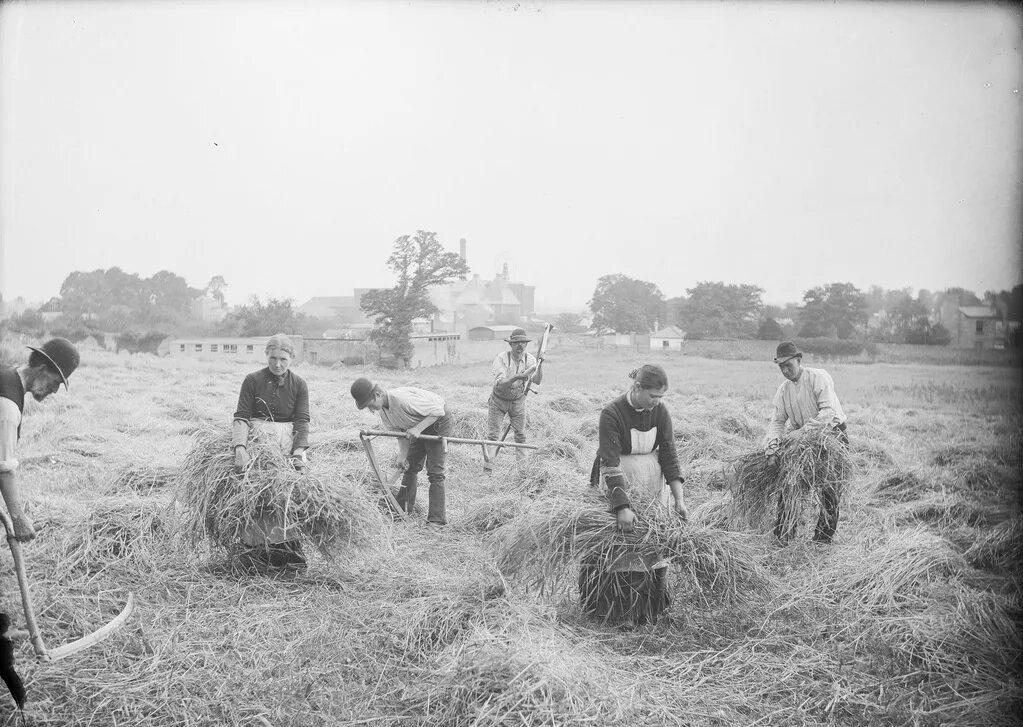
906, 619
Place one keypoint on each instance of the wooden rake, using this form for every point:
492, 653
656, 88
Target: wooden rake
43, 653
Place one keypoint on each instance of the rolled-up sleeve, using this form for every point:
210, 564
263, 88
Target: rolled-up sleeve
497, 368
776, 427
10, 419
300, 416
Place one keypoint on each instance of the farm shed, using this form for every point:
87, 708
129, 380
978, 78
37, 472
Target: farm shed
490, 333
668, 338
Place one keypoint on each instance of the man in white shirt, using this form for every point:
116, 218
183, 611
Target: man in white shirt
510, 371
413, 411
806, 399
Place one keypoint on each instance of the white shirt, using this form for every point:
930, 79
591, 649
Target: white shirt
10, 418
809, 399
406, 406
504, 366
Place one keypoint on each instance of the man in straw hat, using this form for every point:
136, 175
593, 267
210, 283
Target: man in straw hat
48, 367
413, 411
510, 371
804, 400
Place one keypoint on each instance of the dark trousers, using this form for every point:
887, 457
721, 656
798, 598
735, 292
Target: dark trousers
433, 455
827, 521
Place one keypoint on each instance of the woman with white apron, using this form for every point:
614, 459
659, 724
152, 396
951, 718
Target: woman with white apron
637, 463
273, 407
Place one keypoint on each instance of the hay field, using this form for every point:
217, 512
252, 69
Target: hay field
911, 618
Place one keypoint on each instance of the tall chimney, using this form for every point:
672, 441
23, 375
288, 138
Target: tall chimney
461, 252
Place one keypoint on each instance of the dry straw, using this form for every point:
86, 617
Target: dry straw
809, 464
330, 509
114, 531
542, 547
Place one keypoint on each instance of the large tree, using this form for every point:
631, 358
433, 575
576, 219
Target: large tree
836, 309
420, 262
719, 310
626, 305
259, 318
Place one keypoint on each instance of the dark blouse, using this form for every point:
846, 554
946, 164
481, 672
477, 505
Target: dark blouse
618, 421
277, 399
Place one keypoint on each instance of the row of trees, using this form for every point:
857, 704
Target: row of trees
836, 310
144, 310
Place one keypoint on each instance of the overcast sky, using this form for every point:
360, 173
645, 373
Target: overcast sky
285, 145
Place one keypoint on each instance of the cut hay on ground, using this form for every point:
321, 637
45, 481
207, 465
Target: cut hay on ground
1000, 548
328, 507
472, 423
490, 512
144, 479
542, 548
809, 463
115, 531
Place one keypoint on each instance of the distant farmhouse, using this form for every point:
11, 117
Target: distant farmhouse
338, 310
980, 327
472, 303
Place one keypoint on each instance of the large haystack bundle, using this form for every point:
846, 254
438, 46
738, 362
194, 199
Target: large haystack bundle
809, 464
328, 508
544, 547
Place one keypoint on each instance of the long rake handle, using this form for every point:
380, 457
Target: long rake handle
454, 440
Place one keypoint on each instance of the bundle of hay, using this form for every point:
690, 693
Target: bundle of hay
810, 463
330, 509
542, 548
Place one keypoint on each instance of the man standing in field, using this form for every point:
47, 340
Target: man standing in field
47, 368
413, 411
805, 400
511, 370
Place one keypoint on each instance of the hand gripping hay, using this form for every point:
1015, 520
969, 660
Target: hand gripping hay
543, 547
328, 507
809, 462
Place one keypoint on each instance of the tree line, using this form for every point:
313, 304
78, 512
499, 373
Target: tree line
836, 310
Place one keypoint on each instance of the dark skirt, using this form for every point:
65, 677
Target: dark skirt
623, 596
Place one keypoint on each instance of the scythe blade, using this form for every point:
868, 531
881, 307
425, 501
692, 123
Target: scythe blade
42, 653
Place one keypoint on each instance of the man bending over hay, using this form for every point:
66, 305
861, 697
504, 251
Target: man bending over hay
806, 400
273, 406
636, 456
413, 411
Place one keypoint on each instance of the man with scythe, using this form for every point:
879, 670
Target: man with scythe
48, 367
513, 371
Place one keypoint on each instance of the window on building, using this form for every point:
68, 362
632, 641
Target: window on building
213, 348
665, 343
980, 326
248, 349
198, 347
182, 347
